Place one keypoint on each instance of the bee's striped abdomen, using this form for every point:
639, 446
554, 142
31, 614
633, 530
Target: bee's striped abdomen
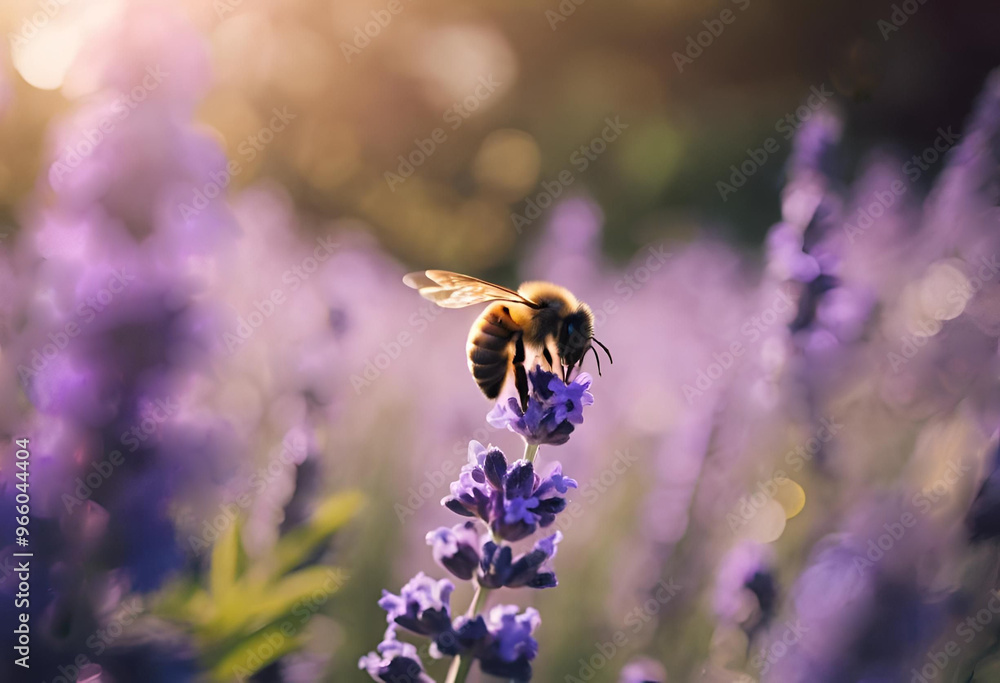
490, 348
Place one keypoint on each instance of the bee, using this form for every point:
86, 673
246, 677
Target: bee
540, 317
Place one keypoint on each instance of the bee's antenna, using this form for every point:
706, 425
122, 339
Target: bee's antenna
598, 359
595, 339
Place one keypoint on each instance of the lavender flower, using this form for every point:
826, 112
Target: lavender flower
513, 501
395, 662
554, 408
503, 642
461, 551
498, 569
511, 646
456, 549
422, 606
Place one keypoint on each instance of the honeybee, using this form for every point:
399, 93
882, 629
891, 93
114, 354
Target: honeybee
540, 316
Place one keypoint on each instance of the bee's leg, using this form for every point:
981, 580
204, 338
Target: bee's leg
520, 374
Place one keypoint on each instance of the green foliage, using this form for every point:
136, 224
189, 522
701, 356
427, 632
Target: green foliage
255, 610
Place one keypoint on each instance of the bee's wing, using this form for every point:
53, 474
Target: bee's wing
452, 290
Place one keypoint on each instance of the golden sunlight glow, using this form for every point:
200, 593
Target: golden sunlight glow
508, 161
768, 524
47, 39
945, 290
791, 497
45, 58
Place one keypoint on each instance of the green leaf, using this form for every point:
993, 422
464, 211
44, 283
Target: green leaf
228, 561
254, 653
303, 593
257, 604
294, 547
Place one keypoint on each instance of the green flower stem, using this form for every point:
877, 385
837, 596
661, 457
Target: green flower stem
459, 669
530, 450
478, 600
460, 665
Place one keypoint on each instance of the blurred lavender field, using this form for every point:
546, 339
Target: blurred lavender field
228, 426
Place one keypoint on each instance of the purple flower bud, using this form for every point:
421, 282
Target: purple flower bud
467, 635
569, 399
395, 662
511, 646
498, 569
513, 501
456, 549
555, 481
554, 408
422, 605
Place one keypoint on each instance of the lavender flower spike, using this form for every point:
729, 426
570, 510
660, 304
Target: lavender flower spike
513, 502
554, 409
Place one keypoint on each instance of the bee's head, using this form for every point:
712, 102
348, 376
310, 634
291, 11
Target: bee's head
575, 333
